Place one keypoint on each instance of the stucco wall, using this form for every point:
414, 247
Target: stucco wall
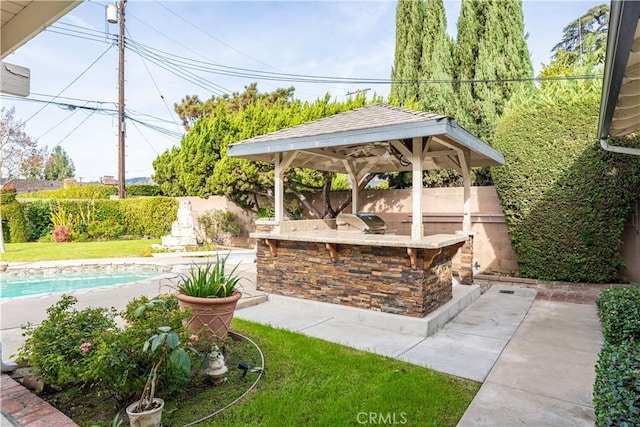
442, 214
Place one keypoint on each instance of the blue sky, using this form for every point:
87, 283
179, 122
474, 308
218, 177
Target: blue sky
329, 38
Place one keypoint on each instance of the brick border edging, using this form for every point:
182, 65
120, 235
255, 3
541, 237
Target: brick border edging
579, 293
24, 408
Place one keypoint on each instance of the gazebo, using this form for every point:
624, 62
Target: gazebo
373, 139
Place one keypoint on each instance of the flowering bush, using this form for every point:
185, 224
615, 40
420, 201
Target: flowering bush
56, 348
117, 362
61, 234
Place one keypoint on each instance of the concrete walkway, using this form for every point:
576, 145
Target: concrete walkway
545, 375
467, 346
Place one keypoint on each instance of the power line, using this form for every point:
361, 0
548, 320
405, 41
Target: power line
214, 68
69, 85
74, 129
155, 84
215, 38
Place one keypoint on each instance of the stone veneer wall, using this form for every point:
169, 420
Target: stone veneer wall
375, 278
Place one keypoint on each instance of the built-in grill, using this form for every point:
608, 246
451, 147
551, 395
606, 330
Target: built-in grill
361, 223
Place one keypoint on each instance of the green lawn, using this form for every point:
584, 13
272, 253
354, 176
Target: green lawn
310, 382
42, 251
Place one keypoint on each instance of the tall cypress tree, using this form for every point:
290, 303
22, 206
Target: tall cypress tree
436, 61
409, 19
491, 46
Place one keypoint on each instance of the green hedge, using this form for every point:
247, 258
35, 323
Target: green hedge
13, 223
565, 199
105, 219
619, 311
140, 190
616, 391
94, 191
83, 191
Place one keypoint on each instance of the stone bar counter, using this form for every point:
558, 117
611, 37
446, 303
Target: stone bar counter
311, 259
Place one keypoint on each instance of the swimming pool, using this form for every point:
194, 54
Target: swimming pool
29, 285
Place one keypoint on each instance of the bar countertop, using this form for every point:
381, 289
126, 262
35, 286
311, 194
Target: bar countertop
435, 241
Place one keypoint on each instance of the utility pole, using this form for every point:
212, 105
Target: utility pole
121, 124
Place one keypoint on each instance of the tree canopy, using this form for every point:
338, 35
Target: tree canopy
201, 167
58, 165
585, 36
15, 145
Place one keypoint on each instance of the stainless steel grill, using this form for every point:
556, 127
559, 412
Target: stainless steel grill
361, 223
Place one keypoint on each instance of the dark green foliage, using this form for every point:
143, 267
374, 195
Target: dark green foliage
117, 363
148, 217
490, 45
423, 52
38, 217
143, 190
619, 312
406, 70
585, 37
14, 225
436, 62
201, 167
616, 391
565, 199
56, 348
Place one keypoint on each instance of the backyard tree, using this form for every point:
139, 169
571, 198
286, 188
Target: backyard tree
436, 64
33, 165
58, 165
406, 68
191, 108
200, 166
585, 36
491, 47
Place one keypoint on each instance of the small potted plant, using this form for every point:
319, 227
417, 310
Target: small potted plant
211, 295
147, 411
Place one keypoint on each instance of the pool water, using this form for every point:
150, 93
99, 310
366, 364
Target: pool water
17, 286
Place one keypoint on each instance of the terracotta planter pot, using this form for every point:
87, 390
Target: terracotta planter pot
151, 418
212, 314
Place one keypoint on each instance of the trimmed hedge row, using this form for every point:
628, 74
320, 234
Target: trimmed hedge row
94, 191
565, 199
105, 219
616, 391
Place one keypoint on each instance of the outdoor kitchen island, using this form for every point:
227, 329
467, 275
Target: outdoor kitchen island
336, 261
382, 272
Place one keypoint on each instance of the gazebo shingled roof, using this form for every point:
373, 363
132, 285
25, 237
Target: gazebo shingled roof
379, 135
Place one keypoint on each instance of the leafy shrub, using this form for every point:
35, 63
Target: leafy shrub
38, 217
143, 190
106, 229
565, 199
14, 225
616, 391
619, 312
61, 234
220, 226
148, 217
118, 364
56, 348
